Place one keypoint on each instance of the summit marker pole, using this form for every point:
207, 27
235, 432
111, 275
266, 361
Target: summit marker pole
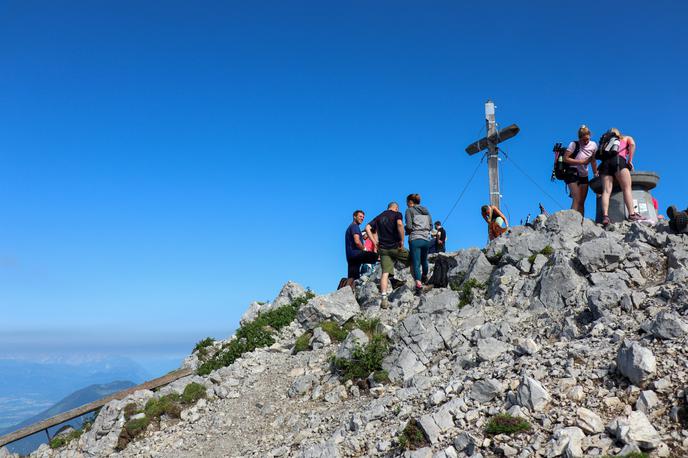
492, 155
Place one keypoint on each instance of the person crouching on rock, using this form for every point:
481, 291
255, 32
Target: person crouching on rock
579, 154
497, 223
418, 228
355, 249
389, 228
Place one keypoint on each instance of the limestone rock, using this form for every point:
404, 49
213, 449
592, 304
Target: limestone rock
338, 306
354, 339
532, 395
636, 362
589, 421
668, 325
486, 390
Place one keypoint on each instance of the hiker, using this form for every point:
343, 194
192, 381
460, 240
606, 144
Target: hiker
497, 224
579, 154
440, 237
418, 227
618, 166
389, 241
355, 249
368, 244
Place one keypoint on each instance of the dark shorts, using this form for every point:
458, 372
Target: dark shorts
578, 179
612, 166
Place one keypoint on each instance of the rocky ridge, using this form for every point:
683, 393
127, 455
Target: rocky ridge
578, 331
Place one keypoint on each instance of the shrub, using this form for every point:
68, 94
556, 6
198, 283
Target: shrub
466, 292
336, 332
202, 346
381, 376
412, 437
256, 334
506, 424
364, 360
61, 441
531, 258
136, 427
166, 405
193, 392
303, 342
547, 251
130, 410
370, 326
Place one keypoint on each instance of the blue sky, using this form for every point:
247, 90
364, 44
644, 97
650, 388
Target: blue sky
165, 163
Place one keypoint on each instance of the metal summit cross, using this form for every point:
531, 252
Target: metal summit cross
490, 142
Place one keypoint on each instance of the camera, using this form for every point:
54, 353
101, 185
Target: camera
558, 148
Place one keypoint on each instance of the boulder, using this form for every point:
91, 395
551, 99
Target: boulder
354, 339
567, 224
668, 325
589, 421
599, 254
486, 390
490, 349
338, 306
532, 395
636, 362
568, 442
320, 339
647, 401
637, 430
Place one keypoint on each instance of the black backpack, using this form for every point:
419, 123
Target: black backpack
440, 274
608, 147
563, 170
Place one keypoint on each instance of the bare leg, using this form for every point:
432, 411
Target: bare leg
383, 282
624, 179
582, 195
573, 192
608, 184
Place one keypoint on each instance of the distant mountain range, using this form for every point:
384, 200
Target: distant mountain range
28, 387
76, 399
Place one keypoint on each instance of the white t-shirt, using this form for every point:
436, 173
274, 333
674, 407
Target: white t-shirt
585, 153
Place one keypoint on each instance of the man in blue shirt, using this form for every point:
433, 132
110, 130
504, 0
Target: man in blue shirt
355, 250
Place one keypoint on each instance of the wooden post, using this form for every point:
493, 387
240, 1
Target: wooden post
493, 154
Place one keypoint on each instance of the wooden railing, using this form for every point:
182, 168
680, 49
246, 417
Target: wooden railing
90, 407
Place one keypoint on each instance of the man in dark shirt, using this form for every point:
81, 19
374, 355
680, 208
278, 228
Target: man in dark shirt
441, 237
355, 250
389, 239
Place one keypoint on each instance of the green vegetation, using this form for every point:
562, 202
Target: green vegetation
494, 260
531, 258
193, 392
61, 441
202, 347
506, 424
412, 437
381, 376
256, 334
303, 342
336, 332
466, 291
165, 405
364, 360
170, 405
547, 251
370, 326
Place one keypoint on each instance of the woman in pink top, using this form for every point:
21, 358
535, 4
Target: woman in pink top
619, 167
585, 154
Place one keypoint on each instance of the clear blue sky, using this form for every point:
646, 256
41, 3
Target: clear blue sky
165, 163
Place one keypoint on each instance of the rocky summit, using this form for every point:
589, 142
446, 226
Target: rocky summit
558, 339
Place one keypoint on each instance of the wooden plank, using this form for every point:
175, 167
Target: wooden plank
499, 137
95, 405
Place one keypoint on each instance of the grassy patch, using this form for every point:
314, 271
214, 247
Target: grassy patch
412, 437
506, 424
381, 376
303, 342
370, 326
193, 392
466, 294
256, 334
61, 441
364, 360
166, 405
547, 251
336, 332
531, 258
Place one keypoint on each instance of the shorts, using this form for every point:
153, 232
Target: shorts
577, 179
389, 255
613, 166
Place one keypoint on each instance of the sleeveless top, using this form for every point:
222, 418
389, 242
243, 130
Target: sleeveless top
623, 148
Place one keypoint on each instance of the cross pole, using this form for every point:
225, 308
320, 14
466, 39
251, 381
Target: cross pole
490, 143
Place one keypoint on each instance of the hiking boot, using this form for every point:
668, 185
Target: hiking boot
418, 290
424, 279
384, 302
635, 217
605, 221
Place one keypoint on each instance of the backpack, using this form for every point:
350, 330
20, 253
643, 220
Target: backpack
563, 170
440, 274
608, 146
